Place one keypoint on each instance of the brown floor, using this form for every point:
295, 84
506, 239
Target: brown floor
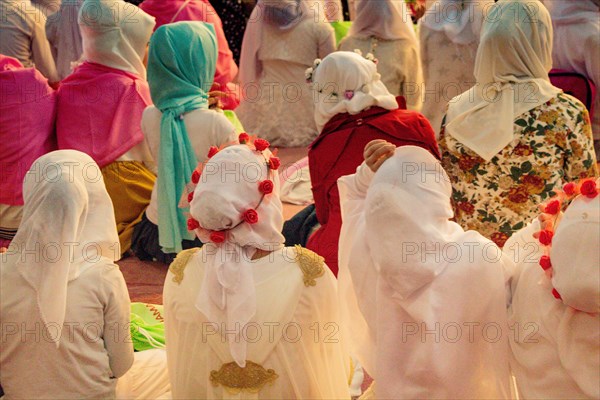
145, 278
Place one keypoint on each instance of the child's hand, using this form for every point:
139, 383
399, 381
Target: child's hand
376, 152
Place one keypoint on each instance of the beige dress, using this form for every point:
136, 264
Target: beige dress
294, 351
448, 71
280, 105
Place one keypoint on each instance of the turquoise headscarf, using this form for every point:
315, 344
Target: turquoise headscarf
181, 68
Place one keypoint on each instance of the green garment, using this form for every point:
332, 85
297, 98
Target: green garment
181, 67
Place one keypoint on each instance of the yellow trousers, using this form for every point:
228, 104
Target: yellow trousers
129, 185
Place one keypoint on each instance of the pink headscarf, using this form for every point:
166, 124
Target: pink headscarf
169, 11
100, 104
27, 112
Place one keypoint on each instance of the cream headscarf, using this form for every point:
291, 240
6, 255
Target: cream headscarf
460, 20
229, 186
511, 69
115, 34
384, 19
345, 82
68, 220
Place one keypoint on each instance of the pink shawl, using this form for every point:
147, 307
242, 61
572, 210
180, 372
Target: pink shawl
27, 112
100, 111
168, 11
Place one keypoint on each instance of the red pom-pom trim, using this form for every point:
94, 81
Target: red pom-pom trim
552, 207
212, 151
217, 237
570, 189
556, 294
261, 144
250, 216
589, 189
190, 197
546, 237
266, 187
545, 262
244, 138
192, 224
274, 163
196, 177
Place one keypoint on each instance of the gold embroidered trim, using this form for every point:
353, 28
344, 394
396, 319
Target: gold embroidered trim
250, 379
311, 264
178, 265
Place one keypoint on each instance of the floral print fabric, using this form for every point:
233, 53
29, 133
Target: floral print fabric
553, 145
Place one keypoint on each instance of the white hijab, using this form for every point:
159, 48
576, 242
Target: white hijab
460, 20
384, 19
68, 218
115, 34
511, 69
345, 82
283, 14
228, 187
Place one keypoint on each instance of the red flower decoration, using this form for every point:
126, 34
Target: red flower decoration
212, 151
196, 177
552, 207
217, 237
589, 189
570, 188
250, 216
243, 138
192, 224
545, 262
546, 237
190, 197
274, 163
556, 294
261, 144
266, 187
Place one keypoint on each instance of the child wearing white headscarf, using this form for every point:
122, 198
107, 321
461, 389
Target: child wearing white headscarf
64, 306
238, 311
513, 138
449, 36
384, 28
423, 300
556, 302
62, 294
282, 39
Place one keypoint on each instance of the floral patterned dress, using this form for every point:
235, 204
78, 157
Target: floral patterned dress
553, 145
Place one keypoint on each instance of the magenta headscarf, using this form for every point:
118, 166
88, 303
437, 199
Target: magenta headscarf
27, 113
100, 104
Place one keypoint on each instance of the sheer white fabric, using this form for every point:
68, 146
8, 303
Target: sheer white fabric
295, 329
555, 351
59, 282
414, 316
